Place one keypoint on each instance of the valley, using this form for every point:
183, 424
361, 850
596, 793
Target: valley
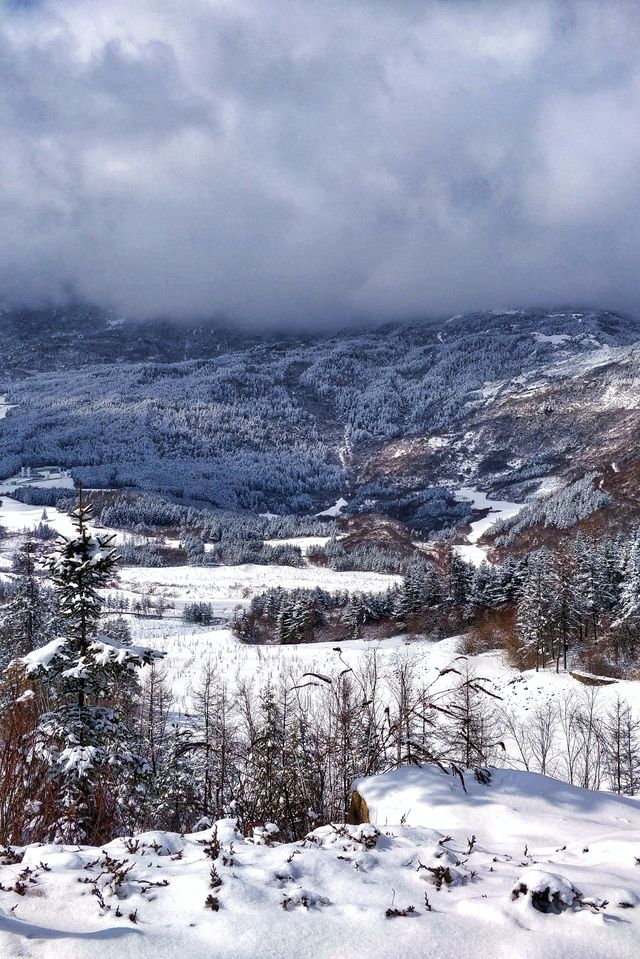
394, 564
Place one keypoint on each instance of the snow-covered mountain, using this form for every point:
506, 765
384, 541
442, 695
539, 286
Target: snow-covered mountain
394, 420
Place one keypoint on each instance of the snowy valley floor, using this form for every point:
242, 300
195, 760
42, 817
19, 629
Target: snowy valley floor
328, 896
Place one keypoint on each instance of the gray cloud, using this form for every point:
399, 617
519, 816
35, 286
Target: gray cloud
302, 161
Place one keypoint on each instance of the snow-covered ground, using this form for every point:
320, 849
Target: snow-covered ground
227, 587
556, 339
188, 647
520, 694
45, 476
439, 872
304, 543
16, 517
334, 510
329, 896
499, 509
5, 407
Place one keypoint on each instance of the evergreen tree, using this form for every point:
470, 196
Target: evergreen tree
459, 579
30, 616
90, 752
176, 801
486, 590
630, 591
592, 591
414, 588
534, 612
260, 795
563, 610
353, 617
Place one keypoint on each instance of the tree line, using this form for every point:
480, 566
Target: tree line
576, 605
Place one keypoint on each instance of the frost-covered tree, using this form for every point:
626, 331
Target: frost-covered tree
630, 592
622, 748
260, 794
296, 619
176, 801
592, 588
486, 589
535, 610
414, 588
353, 617
29, 617
91, 754
215, 743
563, 612
473, 725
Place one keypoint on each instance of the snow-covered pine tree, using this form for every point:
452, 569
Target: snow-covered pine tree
629, 608
296, 619
534, 610
90, 752
459, 576
414, 587
563, 609
176, 799
30, 615
486, 590
260, 797
592, 590
353, 617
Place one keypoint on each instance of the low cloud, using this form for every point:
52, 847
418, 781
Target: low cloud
292, 161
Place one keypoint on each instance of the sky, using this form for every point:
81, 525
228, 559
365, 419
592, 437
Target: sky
319, 161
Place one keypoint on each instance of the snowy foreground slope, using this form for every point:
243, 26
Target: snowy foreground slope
329, 895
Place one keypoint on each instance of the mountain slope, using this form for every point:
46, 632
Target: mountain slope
395, 419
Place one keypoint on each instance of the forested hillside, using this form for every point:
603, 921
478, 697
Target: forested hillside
394, 419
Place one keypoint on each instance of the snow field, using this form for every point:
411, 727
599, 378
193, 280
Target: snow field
45, 476
231, 586
412, 884
499, 509
334, 510
304, 543
15, 517
5, 407
519, 695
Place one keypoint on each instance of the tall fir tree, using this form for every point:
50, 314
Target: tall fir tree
91, 753
535, 622
630, 590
